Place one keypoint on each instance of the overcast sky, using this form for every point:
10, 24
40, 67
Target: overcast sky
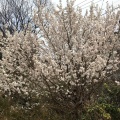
84, 4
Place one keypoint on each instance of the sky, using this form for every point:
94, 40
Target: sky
84, 4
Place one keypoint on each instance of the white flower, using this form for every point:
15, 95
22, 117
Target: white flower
117, 82
82, 69
95, 80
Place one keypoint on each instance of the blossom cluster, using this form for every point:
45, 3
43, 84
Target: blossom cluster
73, 56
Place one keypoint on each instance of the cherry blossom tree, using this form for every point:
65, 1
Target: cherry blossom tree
80, 55
18, 66
67, 65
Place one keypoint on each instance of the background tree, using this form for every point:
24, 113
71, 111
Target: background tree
16, 15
